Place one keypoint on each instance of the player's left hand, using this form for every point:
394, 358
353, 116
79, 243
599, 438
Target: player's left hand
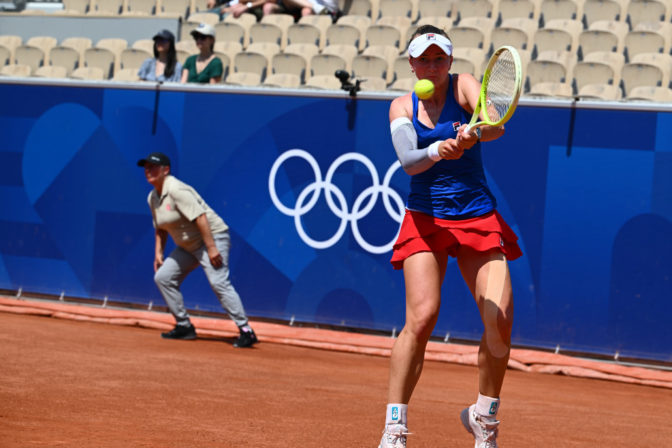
215, 257
465, 140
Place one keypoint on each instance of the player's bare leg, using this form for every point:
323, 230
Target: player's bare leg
488, 279
423, 274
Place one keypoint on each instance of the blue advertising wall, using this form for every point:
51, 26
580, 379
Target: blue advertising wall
312, 191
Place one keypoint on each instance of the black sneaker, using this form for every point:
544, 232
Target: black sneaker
246, 339
180, 332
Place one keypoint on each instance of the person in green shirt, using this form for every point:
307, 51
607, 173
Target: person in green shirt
205, 67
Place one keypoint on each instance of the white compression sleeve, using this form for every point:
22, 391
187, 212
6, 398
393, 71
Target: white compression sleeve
413, 160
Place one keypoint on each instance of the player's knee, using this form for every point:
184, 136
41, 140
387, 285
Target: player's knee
498, 324
421, 323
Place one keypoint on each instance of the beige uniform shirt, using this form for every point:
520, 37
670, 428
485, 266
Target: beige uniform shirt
175, 212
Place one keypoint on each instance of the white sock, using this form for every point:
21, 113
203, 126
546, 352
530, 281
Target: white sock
396, 414
487, 406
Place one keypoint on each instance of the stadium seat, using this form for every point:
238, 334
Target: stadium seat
65, 57
251, 62
307, 51
368, 66
210, 18
323, 82
280, 21
511, 35
44, 43
5, 56
51, 71
88, 73
345, 34
551, 90
244, 79
594, 10
373, 84
386, 52
126, 74
614, 60
187, 45
558, 35
378, 34
268, 33
295, 64
144, 44
647, 11
469, 37
10, 42
321, 22
604, 35
282, 80
444, 23
101, 58
77, 6
474, 8
178, 8
327, 64
468, 60
545, 70
132, 58
604, 92
30, 56
402, 85
517, 9
116, 45
80, 44
587, 72
559, 9
304, 33
16, 70
267, 49
646, 41
644, 70
140, 7
231, 32
227, 65
106, 7
398, 8
650, 93
434, 8
230, 49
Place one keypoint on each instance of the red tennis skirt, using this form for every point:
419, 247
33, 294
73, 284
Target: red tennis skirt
423, 233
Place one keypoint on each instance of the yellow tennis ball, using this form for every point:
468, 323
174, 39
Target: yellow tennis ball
424, 88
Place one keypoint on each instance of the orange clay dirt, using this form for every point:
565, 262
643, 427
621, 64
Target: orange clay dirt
70, 383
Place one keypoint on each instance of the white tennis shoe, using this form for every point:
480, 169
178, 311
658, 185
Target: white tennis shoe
483, 429
394, 436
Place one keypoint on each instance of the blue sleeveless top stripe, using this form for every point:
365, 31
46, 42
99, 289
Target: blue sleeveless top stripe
451, 189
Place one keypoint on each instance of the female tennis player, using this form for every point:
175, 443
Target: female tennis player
450, 212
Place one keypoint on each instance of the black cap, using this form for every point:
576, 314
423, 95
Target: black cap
157, 158
164, 34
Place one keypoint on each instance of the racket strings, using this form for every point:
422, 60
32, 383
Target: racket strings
501, 89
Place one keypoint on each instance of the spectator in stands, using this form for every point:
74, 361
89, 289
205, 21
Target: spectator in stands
451, 212
205, 67
300, 8
201, 237
164, 66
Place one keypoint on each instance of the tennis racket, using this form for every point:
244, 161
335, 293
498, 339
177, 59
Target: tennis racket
500, 90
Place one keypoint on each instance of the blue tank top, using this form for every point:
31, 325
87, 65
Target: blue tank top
451, 189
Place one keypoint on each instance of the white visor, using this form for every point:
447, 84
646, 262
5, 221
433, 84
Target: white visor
422, 43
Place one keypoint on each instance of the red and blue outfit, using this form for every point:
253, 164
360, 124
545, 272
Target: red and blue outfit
450, 203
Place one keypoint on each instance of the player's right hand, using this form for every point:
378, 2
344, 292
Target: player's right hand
158, 261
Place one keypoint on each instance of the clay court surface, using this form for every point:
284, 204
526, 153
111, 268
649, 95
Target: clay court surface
68, 383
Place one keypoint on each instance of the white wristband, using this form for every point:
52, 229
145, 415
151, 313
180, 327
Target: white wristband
433, 151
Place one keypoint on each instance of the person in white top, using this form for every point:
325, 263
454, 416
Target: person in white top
201, 237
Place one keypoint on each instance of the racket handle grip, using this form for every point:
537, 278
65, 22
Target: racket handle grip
467, 129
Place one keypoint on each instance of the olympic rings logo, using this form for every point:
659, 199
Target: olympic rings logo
309, 196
